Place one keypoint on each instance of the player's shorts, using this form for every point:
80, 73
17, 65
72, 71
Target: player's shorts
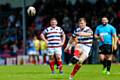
85, 49
32, 52
43, 52
52, 51
105, 49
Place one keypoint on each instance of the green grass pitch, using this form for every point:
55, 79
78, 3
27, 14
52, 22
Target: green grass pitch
42, 72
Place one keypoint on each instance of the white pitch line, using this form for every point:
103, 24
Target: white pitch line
116, 73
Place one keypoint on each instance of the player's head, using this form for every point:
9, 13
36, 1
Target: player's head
53, 22
82, 22
105, 20
35, 37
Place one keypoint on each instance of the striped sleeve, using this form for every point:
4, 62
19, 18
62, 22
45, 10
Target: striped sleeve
62, 32
90, 31
75, 33
45, 31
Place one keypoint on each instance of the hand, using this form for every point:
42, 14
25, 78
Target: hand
66, 49
61, 44
46, 41
119, 42
101, 38
114, 47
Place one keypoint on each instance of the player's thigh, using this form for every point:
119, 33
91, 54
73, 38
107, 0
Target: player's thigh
102, 56
44, 52
109, 56
58, 53
32, 52
85, 50
51, 51
82, 58
85, 53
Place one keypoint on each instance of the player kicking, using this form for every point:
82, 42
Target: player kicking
83, 37
106, 34
55, 38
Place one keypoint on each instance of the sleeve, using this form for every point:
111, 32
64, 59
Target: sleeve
45, 31
61, 31
89, 31
74, 34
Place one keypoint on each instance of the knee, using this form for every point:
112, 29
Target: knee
80, 61
102, 57
58, 58
51, 58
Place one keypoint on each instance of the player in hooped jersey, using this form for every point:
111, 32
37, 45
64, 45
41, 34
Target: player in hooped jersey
83, 38
54, 37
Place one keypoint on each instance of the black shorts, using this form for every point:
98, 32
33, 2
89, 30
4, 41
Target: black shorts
105, 49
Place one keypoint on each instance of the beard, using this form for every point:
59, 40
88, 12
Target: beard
104, 24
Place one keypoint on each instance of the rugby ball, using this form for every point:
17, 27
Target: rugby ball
31, 11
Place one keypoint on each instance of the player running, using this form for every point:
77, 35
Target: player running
106, 34
83, 37
55, 38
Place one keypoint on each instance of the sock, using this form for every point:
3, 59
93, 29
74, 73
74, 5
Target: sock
108, 65
37, 59
51, 63
76, 68
104, 62
76, 53
33, 61
60, 65
44, 59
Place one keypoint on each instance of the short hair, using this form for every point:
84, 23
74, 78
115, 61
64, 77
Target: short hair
105, 17
53, 19
82, 19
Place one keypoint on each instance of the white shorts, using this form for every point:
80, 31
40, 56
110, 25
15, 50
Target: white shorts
85, 49
52, 51
32, 52
43, 52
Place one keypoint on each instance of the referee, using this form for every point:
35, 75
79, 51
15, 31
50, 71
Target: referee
106, 35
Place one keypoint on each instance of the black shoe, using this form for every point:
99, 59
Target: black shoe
74, 59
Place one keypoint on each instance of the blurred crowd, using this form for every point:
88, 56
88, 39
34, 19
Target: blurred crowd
66, 11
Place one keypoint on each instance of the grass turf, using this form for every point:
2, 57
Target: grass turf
42, 72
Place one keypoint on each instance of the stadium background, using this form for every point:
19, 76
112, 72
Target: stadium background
16, 27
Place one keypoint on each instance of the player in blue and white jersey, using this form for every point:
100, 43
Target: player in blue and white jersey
83, 38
